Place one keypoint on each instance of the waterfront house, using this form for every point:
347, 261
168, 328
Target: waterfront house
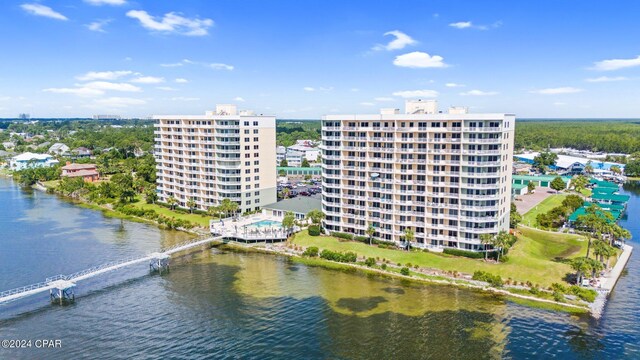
88, 172
30, 160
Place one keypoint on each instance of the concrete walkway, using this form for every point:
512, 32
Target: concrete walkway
608, 282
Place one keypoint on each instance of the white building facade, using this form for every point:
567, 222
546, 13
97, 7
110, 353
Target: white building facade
445, 176
221, 155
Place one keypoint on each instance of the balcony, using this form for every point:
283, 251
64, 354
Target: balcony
483, 129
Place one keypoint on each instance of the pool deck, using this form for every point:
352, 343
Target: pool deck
241, 230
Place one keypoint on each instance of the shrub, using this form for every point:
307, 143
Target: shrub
384, 266
465, 253
363, 239
340, 235
404, 271
370, 262
558, 288
558, 296
314, 230
587, 295
493, 280
311, 251
534, 291
337, 256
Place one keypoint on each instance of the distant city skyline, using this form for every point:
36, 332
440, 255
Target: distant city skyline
302, 60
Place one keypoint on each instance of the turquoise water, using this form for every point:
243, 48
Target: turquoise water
266, 223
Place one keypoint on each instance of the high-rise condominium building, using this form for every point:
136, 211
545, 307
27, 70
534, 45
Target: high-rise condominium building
447, 176
220, 155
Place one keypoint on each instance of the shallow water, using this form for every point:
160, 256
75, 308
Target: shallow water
216, 304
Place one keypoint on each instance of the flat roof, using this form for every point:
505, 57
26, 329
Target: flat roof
603, 183
540, 177
611, 197
299, 205
518, 186
583, 211
564, 161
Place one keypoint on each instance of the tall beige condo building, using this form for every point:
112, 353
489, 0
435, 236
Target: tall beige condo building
224, 154
447, 176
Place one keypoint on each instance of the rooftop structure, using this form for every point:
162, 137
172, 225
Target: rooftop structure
570, 163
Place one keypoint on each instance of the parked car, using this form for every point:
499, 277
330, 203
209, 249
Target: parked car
304, 193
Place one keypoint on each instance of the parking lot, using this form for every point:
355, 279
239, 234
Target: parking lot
301, 188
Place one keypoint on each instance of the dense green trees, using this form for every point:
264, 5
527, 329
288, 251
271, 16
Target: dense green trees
610, 136
304, 163
288, 131
316, 216
545, 159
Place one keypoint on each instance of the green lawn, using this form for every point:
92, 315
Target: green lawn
201, 220
544, 206
533, 257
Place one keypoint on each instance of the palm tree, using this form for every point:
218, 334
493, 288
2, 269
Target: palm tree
228, 207
213, 211
285, 193
370, 231
409, 235
580, 266
191, 204
172, 202
316, 216
487, 239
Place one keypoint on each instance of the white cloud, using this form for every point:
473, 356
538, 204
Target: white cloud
172, 64
558, 90
98, 25
220, 66
419, 59
616, 64
470, 25
308, 88
182, 98
41, 10
367, 104
119, 102
105, 2
79, 91
559, 103
384, 99
239, 99
416, 93
461, 24
181, 81
148, 80
103, 75
105, 85
479, 93
453, 85
401, 41
606, 79
166, 88
355, 90
172, 23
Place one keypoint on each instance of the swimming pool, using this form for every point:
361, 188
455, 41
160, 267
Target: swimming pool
266, 223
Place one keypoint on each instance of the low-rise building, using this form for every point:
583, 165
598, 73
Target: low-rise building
30, 160
309, 152
58, 149
294, 158
281, 154
299, 206
88, 172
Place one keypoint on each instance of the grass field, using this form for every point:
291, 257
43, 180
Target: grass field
545, 205
201, 220
535, 257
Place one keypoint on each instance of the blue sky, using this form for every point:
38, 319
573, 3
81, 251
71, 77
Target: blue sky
303, 59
